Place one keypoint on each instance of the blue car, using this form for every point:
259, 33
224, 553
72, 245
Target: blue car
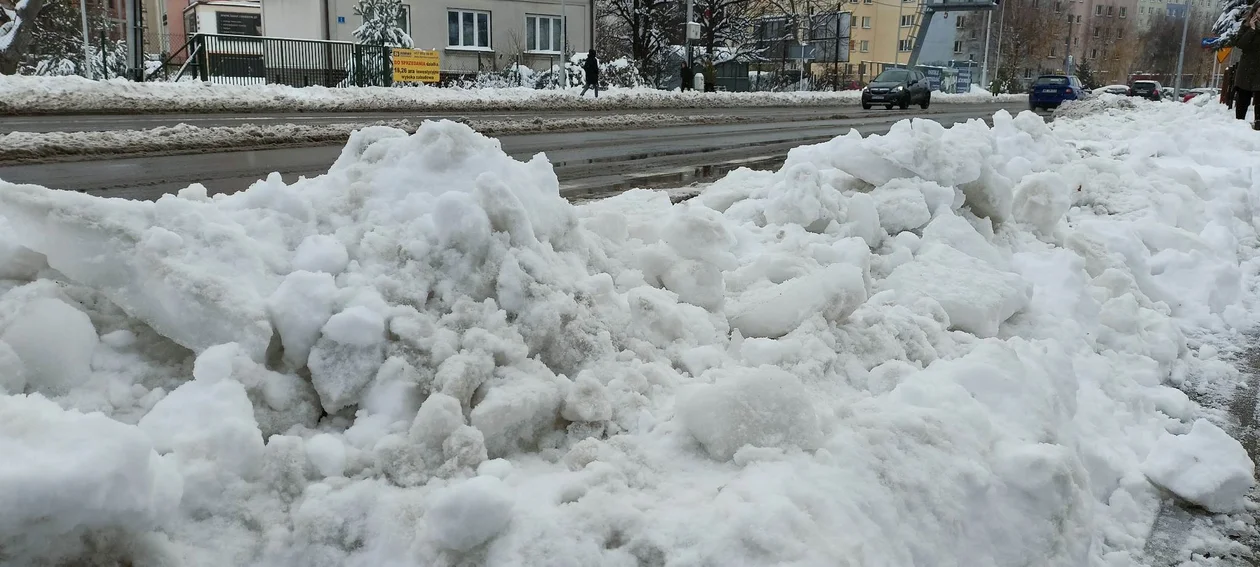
1049, 91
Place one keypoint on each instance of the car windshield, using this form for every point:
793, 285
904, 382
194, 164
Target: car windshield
1143, 85
893, 76
1046, 81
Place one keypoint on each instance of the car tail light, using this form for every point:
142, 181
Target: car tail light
1069, 91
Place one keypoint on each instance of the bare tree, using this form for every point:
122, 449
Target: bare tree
1033, 34
724, 23
644, 26
1160, 45
15, 33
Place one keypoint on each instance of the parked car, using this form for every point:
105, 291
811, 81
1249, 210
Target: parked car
1168, 93
900, 87
1122, 90
1200, 92
1049, 91
1149, 90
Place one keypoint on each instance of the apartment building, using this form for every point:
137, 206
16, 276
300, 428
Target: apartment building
883, 30
471, 35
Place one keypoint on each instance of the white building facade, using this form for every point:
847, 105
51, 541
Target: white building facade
471, 35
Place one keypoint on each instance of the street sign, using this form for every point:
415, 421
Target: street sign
933, 75
1209, 41
964, 80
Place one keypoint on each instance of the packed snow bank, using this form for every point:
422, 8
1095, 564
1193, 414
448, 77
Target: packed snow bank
1205, 466
52, 95
183, 138
937, 346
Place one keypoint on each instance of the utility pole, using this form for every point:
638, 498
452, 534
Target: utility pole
1181, 57
87, 43
690, 18
835, 56
900, 14
564, 47
997, 64
1067, 48
984, 71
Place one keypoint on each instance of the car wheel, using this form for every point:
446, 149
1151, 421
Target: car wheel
866, 106
927, 101
905, 102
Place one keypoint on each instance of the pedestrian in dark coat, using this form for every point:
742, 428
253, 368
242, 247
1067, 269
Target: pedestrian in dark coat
591, 67
1227, 86
1247, 75
687, 79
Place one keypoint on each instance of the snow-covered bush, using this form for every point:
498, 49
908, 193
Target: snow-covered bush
379, 30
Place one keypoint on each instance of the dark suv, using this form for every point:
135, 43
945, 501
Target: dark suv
1149, 90
900, 87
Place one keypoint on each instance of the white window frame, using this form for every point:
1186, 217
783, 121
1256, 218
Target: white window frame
1124, 11
557, 39
958, 46
907, 20
1098, 10
960, 22
471, 44
866, 22
905, 45
864, 46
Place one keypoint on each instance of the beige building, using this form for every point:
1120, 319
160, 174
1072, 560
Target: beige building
883, 32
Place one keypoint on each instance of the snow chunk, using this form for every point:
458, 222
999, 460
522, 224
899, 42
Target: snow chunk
347, 356
299, 308
327, 453
901, 206
469, 514
321, 253
1206, 467
1041, 200
64, 472
774, 311
55, 343
976, 296
762, 407
212, 421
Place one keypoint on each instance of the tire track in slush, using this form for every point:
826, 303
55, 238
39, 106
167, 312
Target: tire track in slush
1177, 520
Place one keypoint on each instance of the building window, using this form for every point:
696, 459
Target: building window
973, 34
466, 28
1110, 9
1093, 54
864, 46
1053, 53
866, 22
1097, 31
404, 19
960, 22
543, 33
907, 20
1124, 12
1120, 33
1076, 40
958, 47
1078, 18
1098, 10
1058, 6
905, 45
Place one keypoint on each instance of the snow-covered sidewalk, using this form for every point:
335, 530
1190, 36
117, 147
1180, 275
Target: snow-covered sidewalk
933, 347
54, 95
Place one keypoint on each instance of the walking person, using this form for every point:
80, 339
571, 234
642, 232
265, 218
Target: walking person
687, 79
591, 67
1247, 75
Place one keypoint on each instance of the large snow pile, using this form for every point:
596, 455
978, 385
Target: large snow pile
933, 347
36, 95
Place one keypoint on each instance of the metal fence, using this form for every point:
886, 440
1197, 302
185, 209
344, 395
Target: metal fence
250, 60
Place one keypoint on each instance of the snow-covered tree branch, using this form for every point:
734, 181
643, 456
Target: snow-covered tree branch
15, 34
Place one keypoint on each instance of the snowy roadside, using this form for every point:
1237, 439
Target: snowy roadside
76, 95
932, 347
26, 147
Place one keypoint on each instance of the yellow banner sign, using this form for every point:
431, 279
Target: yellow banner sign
416, 66
1223, 54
